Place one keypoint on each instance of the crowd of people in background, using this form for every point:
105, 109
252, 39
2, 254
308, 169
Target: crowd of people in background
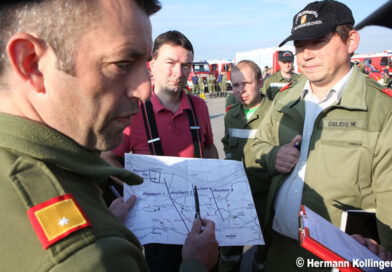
320, 139
215, 86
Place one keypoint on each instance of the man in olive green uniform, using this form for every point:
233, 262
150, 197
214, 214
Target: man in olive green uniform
327, 140
275, 82
241, 122
211, 84
387, 77
230, 101
65, 98
224, 83
201, 86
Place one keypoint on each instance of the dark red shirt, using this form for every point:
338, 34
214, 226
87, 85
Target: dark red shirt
173, 129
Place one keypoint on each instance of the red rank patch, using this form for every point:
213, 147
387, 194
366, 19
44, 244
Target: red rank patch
57, 218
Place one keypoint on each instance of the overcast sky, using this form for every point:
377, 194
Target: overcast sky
219, 28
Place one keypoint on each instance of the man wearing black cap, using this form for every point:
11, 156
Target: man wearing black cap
327, 140
275, 82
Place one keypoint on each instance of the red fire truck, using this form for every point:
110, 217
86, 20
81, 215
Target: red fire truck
221, 65
378, 60
199, 68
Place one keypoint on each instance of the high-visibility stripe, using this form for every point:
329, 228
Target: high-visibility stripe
195, 127
277, 84
154, 140
242, 133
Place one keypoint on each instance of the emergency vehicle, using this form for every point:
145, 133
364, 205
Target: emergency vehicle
200, 68
222, 65
374, 74
378, 60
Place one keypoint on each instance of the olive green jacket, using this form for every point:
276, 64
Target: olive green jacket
230, 100
224, 83
349, 163
275, 82
38, 163
239, 135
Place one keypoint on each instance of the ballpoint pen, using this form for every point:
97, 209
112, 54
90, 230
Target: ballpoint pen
114, 191
197, 205
298, 145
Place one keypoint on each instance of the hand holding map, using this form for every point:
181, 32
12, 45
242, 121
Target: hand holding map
165, 208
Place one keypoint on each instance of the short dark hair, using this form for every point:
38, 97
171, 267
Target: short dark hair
173, 37
59, 23
343, 31
251, 64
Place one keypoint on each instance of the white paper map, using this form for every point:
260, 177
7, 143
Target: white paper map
165, 206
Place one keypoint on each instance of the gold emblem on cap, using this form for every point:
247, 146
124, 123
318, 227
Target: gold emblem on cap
303, 19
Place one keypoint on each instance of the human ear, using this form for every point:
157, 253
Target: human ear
152, 64
352, 41
25, 51
260, 83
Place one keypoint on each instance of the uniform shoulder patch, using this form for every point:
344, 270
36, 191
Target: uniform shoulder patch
285, 87
229, 107
388, 92
57, 218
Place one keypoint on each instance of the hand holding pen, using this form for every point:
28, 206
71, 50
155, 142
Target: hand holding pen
200, 242
197, 206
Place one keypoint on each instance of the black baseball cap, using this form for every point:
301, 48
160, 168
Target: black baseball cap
381, 17
318, 19
286, 56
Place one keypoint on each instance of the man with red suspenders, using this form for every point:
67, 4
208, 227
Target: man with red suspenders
171, 123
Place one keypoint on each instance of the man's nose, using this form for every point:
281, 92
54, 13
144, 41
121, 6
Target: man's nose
140, 84
177, 70
307, 53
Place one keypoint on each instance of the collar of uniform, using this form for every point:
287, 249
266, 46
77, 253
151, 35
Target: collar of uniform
354, 93
352, 97
292, 97
157, 106
256, 114
283, 79
307, 94
33, 139
236, 109
338, 87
